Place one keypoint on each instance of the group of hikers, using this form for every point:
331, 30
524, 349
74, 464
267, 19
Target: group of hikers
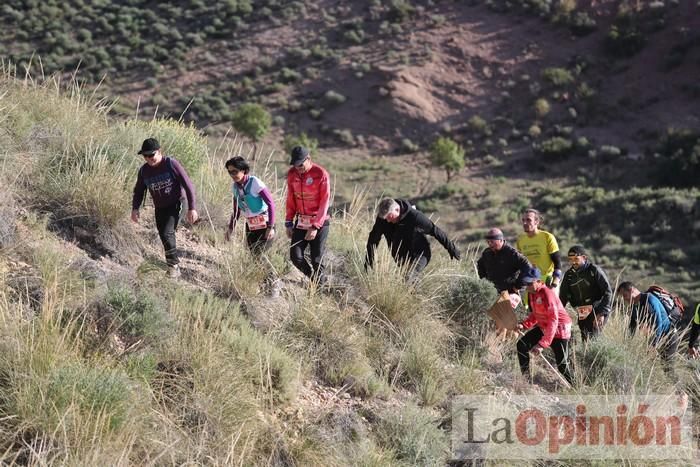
534, 264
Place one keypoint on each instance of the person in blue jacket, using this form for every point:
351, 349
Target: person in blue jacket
647, 310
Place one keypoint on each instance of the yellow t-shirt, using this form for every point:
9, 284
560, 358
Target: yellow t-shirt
537, 250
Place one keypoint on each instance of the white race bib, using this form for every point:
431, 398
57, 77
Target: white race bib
584, 311
258, 222
304, 222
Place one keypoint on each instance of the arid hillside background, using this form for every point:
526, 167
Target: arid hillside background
585, 110
474, 110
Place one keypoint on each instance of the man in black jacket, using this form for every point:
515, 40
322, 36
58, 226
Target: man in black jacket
405, 229
586, 287
502, 264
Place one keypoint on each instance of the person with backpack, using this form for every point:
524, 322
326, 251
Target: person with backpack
168, 183
588, 289
502, 264
647, 310
548, 323
405, 228
253, 200
307, 220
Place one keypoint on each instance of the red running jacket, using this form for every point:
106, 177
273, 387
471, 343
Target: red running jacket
308, 194
549, 315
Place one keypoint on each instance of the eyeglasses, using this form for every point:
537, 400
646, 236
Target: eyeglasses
233, 171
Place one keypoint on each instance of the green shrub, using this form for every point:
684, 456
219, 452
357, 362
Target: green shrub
448, 155
468, 299
401, 10
582, 24
558, 76
625, 37
138, 315
252, 120
412, 434
301, 139
334, 98
478, 125
554, 148
542, 107
679, 162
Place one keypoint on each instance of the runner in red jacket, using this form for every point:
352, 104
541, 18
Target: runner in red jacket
549, 324
307, 219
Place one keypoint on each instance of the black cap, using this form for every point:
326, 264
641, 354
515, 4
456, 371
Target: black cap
577, 250
299, 155
149, 147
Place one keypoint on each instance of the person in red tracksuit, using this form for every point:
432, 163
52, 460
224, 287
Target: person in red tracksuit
549, 326
307, 219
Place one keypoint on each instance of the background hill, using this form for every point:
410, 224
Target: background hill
585, 110
564, 106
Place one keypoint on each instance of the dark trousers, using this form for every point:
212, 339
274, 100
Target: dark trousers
256, 240
587, 327
296, 251
166, 221
416, 267
559, 346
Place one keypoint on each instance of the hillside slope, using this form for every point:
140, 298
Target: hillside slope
103, 360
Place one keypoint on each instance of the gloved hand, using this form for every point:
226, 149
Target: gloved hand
454, 252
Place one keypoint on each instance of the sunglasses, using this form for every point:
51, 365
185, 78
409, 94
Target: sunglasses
233, 171
149, 156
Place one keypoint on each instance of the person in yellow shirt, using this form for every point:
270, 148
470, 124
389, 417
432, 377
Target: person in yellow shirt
540, 248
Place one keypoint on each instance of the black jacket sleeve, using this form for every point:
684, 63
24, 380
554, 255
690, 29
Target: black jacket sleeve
375, 235
523, 267
481, 268
603, 306
565, 290
426, 226
556, 260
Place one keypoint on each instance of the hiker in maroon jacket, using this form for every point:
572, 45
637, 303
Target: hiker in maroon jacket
168, 183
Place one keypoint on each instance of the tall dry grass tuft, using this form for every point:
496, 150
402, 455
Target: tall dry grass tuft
331, 345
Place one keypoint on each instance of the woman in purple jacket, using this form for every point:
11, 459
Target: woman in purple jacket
168, 183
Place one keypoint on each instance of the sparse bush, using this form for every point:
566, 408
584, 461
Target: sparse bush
558, 76
554, 148
625, 37
478, 125
300, 140
408, 145
252, 120
334, 98
679, 151
542, 107
582, 24
137, 315
412, 433
467, 302
448, 155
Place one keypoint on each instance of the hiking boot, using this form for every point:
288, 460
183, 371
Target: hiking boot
173, 271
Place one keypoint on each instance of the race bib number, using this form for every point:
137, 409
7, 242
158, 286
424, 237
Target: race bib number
304, 222
257, 222
584, 311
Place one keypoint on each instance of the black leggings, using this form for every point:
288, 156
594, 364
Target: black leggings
166, 221
256, 240
559, 346
296, 251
